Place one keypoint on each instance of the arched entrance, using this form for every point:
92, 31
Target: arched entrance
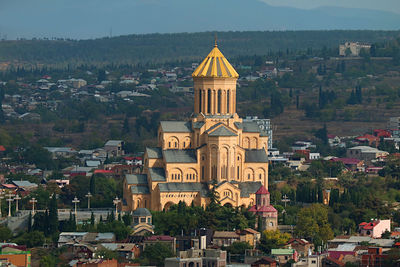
168, 205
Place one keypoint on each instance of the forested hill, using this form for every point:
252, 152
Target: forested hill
157, 48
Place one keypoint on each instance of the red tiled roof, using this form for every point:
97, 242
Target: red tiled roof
262, 191
267, 209
368, 226
347, 161
2, 148
160, 238
9, 186
103, 171
253, 208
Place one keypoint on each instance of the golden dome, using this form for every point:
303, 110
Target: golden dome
215, 65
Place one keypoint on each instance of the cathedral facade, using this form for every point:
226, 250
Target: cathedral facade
215, 149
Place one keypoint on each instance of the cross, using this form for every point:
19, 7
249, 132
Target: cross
76, 201
17, 197
33, 201
88, 195
9, 199
285, 199
116, 201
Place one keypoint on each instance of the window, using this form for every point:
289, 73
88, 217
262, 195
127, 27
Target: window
227, 101
248, 176
209, 101
313, 261
260, 176
169, 144
219, 101
184, 144
142, 220
200, 95
176, 144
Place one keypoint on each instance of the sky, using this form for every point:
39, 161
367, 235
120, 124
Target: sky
386, 5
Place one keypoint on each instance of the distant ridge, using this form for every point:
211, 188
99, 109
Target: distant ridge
157, 48
98, 18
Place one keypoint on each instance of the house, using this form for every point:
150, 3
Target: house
114, 148
14, 256
352, 164
284, 255
333, 140
225, 238
374, 229
198, 258
250, 236
64, 152
382, 133
126, 251
25, 185
367, 139
264, 262
374, 258
73, 238
365, 153
315, 260
94, 263
302, 246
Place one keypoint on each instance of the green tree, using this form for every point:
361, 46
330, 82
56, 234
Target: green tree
155, 254
312, 223
238, 247
273, 239
5, 233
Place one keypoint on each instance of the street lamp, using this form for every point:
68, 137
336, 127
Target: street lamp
17, 197
76, 201
33, 201
9, 199
116, 201
89, 195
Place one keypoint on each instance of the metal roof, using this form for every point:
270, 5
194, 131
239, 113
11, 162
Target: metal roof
198, 124
141, 212
180, 156
184, 187
139, 189
157, 174
247, 188
24, 184
222, 131
136, 179
113, 143
176, 126
215, 65
154, 152
256, 156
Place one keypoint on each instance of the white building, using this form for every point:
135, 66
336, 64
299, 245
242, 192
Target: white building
354, 48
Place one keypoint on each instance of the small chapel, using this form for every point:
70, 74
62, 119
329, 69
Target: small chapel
213, 150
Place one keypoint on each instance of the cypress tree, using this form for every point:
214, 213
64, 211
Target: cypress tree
92, 219
53, 215
93, 184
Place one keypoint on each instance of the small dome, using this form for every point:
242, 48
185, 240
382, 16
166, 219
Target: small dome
141, 212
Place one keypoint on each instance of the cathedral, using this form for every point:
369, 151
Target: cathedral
214, 149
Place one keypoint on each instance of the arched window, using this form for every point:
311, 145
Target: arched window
219, 101
209, 101
228, 101
169, 144
200, 95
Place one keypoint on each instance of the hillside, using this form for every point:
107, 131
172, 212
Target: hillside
158, 48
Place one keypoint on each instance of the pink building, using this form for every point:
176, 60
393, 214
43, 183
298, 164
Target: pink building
374, 229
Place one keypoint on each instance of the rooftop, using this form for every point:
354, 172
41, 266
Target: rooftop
215, 65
